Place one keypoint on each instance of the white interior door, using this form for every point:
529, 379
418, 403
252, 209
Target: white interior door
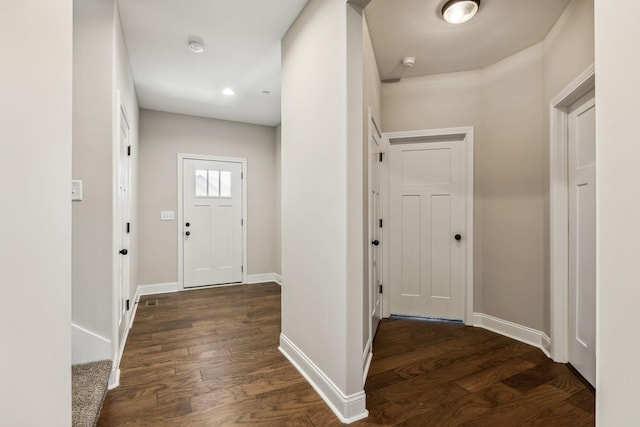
582, 237
212, 229
427, 221
375, 225
123, 223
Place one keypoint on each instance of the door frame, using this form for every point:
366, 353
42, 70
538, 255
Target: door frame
118, 341
180, 224
373, 128
559, 210
466, 133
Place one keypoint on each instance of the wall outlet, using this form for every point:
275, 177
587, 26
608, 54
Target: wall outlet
166, 216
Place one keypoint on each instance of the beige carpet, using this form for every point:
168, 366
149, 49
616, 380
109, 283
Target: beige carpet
89, 387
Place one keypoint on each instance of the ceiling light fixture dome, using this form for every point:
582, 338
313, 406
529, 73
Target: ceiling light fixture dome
228, 91
459, 11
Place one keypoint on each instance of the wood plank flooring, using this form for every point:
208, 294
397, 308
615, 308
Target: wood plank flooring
209, 358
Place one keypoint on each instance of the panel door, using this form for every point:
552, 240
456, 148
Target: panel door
375, 213
212, 229
427, 236
123, 220
582, 238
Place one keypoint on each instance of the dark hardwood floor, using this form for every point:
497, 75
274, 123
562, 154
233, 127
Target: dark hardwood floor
209, 358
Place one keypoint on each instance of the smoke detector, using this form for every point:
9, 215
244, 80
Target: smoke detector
195, 44
408, 62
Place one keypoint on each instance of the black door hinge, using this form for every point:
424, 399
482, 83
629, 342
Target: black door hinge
128, 304
128, 227
242, 269
380, 288
128, 150
380, 154
380, 222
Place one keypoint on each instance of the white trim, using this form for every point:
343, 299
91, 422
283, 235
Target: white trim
468, 133
243, 162
277, 278
349, 408
158, 288
87, 346
114, 378
559, 211
367, 363
263, 278
513, 330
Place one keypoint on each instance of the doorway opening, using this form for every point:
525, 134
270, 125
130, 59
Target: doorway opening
429, 262
212, 212
564, 240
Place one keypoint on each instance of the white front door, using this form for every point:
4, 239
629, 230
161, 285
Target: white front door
582, 237
212, 229
375, 225
123, 223
427, 182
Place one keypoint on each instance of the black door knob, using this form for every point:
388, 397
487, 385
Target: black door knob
187, 224
457, 237
188, 233
124, 252
375, 243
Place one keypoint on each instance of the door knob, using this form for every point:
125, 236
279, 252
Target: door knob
375, 243
457, 237
124, 252
187, 224
188, 233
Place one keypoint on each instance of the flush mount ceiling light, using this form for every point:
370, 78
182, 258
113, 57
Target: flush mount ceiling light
459, 11
228, 91
195, 45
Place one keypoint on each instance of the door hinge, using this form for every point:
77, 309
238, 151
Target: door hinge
380, 288
380, 222
128, 227
241, 175
380, 155
242, 268
242, 222
128, 304
128, 150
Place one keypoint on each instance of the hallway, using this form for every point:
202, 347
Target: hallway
209, 357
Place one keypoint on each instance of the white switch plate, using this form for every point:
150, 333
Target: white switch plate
76, 190
166, 216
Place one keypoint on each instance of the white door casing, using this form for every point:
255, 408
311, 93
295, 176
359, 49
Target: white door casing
212, 237
430, 203
375, 226
582, 237
123, 227
559, 210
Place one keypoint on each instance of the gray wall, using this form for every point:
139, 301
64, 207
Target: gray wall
35, 248
100, 68
322, 156
508, 104
278, 229
618, 151
162, 137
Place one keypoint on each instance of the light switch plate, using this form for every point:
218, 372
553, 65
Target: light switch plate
166, 216
76, 190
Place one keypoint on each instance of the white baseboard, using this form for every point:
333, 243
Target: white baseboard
277, 278
513, 330
263, 278
87, 346
158, 288
347, 408
114, 378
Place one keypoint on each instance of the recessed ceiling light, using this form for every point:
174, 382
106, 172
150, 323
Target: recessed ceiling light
195, 45
459, 11
228, 91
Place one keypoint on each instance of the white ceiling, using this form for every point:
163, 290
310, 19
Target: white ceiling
401, 28
242, 47
242, 51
